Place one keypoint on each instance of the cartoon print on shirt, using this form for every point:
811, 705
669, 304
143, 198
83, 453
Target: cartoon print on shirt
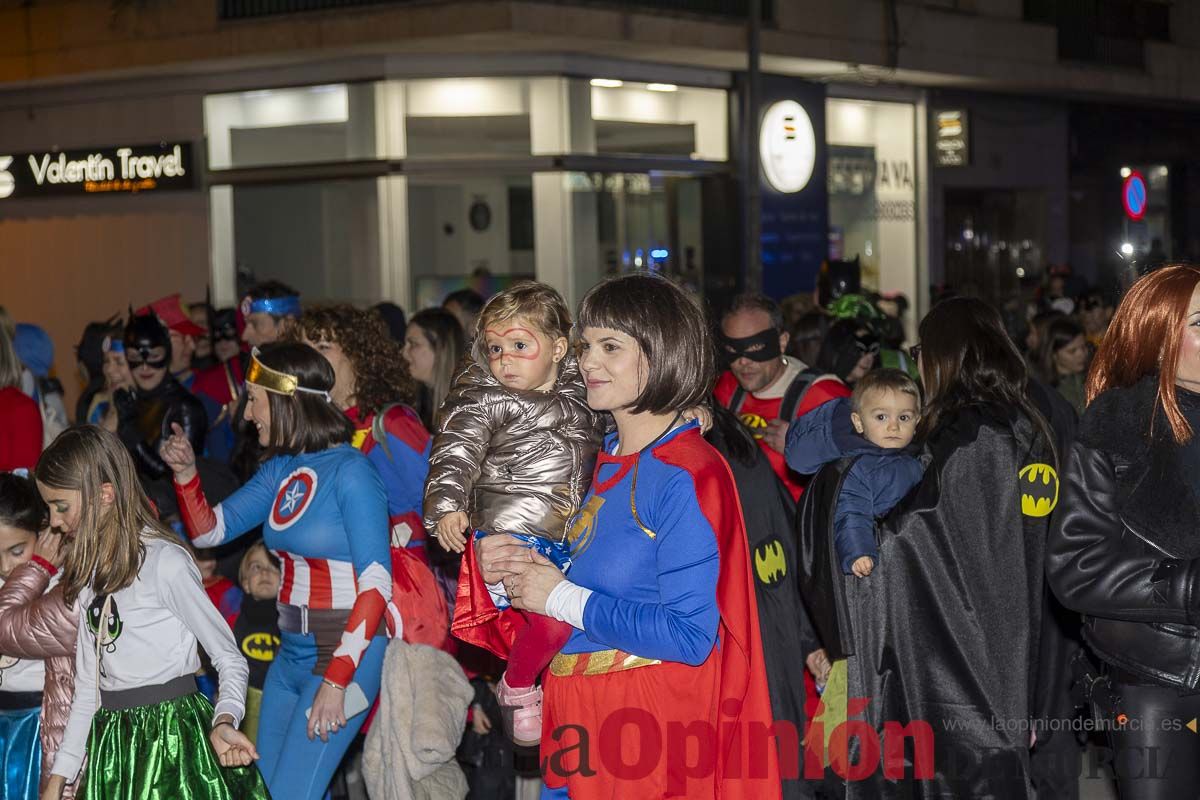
5, 663
110, 631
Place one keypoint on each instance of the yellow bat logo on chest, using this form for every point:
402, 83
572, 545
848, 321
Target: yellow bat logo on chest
755, 424
260, 646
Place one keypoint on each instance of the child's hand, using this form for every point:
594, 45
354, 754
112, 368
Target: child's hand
54, 788
479, 720
862, 566
233, 748
700, 413
51, 545
819, 665
451, 529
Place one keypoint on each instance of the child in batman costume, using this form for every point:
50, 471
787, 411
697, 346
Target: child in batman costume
256, 625
144, 612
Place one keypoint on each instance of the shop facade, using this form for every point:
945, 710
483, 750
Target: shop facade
404, 178
406, 188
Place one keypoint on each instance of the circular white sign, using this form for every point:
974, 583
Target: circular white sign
787, 146
7, 184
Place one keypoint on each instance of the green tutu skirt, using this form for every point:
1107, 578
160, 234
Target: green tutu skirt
162, 752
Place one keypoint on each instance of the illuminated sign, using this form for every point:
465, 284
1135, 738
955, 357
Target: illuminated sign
951, 141
787, 146
127, 170
1133, 196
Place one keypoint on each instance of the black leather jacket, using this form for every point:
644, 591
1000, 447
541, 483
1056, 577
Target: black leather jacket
1125, 545
144, 418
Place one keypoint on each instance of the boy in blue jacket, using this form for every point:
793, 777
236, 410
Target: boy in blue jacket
874, 427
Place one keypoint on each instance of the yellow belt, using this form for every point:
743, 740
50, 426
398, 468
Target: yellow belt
601, 662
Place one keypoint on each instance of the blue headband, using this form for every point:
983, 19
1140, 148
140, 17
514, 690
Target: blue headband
275, 306
112, 345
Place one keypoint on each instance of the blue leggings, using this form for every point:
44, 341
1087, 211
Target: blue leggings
294, 767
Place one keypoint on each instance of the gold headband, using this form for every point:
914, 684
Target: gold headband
275, 381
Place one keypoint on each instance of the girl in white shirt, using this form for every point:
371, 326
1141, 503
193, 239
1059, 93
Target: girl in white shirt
143, 609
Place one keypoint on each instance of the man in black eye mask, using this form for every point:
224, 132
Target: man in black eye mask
156, 401
765, 388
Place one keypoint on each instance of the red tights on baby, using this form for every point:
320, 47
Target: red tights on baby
533, 649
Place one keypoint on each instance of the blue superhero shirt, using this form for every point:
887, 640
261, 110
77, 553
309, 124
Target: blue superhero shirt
653, 575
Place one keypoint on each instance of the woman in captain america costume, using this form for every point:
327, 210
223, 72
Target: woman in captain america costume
666, 637
325, 513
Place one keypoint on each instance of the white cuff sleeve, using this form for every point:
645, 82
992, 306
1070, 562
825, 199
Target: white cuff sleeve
566, 603
499, 594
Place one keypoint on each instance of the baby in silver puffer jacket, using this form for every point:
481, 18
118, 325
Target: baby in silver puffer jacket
513, 454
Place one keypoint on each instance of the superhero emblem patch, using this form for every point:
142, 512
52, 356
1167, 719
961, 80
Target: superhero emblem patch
756, 425
260, 646
770, 565
295, 496
1039, 489
582, 529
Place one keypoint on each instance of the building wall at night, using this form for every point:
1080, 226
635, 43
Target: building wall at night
986, 43
69, 260
391, 215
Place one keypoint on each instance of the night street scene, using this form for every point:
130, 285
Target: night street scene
599, 399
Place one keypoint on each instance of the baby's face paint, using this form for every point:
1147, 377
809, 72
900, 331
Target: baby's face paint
521, 357
518, 342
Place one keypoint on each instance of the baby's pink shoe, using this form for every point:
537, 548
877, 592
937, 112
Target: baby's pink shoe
522, 711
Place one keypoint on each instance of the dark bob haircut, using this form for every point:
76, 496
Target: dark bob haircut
304, 422
21, 505
669, 326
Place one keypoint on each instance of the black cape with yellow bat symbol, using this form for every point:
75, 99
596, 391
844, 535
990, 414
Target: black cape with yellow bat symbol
787, 634
945, 631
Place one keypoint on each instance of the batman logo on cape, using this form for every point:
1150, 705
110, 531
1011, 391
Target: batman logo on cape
945, 631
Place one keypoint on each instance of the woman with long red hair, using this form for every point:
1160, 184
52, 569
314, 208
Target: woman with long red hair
1125, 544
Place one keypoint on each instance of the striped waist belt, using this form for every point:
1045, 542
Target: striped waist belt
601, 662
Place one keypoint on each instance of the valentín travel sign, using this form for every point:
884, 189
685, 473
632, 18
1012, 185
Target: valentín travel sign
124, 169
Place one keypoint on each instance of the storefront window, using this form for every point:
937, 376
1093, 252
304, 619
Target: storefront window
468, 117
305, 125
475, 232
638, 221
995, 240
873, 192
320, 238
660, 119
462, 193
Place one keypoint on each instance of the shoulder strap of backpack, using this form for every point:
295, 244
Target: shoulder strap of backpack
379, 427
795, 393
735, 402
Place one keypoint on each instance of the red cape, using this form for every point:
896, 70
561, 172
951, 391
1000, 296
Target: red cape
477, 621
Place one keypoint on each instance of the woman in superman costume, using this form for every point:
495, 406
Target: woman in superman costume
666, 637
